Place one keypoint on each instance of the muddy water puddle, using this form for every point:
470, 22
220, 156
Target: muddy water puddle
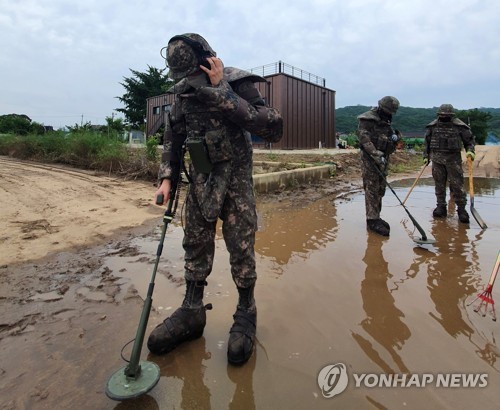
330, 292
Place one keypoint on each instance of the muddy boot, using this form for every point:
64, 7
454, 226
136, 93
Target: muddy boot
186, 323
385, 224
463, 216
440, 211
378, 226
242, 334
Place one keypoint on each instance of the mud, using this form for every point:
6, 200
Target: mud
328, 292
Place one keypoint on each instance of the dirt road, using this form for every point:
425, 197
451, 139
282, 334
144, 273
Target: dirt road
47, 209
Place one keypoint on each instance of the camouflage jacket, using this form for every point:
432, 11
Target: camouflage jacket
234, 108
375, 134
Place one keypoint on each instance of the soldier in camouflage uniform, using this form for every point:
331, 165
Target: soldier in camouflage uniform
443, 142
214, 112
377, 141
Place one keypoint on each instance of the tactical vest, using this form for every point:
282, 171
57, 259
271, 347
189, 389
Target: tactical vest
209, 127
445, 137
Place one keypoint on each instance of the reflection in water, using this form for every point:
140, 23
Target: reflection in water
186, 364
449, 275
483, 186
242, 376
383, 322
421, 256
288, 230
145, 402
452, 279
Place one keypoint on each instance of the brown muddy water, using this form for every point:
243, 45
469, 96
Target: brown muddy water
328, 292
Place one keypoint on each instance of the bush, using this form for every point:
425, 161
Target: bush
152, 153
352, 140
85, 149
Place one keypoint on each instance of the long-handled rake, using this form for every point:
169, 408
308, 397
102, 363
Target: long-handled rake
486, 297
415, 183
424, 239
473, 211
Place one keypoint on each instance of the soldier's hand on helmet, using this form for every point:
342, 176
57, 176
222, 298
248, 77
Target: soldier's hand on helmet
471, 155
215, 72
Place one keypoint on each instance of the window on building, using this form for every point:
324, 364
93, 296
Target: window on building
156, 110
166, 107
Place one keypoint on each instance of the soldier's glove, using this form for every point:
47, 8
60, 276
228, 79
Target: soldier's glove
471, 155
425, 161
380, 160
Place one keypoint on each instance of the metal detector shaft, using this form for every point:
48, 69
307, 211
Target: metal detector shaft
133, 369
419, 228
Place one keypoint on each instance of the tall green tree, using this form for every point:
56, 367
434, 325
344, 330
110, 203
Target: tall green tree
138, 88
18, 124
478, 121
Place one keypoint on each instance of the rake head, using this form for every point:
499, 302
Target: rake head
485, 298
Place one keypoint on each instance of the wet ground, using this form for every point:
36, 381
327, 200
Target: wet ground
328, 292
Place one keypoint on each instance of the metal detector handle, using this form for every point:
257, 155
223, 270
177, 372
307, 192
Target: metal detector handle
159, 199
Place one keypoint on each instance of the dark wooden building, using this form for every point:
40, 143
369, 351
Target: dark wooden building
307, 106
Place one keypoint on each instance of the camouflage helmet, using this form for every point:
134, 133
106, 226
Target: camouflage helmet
446, 110
389, 104
185, 54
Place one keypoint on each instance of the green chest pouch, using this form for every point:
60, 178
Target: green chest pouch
199, 155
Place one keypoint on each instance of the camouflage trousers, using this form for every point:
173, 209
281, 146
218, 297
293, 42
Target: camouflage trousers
374, 187
451, 172
239, 224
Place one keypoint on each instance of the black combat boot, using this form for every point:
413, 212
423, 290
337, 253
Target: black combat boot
386, 224
242, 334
378, 226
463, 216
186, 323
440, 211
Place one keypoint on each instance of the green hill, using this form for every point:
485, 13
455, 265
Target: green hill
407, 119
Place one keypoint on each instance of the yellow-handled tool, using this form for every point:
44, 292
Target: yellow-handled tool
473, 211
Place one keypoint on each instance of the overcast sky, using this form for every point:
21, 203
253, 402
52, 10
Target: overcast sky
62, 61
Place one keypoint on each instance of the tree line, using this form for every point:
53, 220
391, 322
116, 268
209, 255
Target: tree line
483, 121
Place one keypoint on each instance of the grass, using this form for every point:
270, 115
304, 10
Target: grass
84, 149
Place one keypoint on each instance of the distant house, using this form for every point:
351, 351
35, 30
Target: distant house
307, 107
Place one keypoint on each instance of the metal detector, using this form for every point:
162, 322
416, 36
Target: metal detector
421, 241
139, 377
